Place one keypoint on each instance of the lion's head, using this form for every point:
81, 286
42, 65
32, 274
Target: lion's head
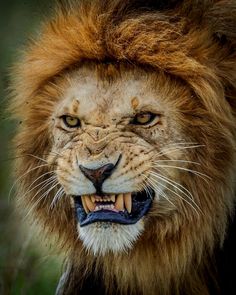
127, 142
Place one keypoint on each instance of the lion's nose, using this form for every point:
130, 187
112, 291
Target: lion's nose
97, 176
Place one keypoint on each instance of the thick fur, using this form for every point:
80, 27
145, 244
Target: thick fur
190, 42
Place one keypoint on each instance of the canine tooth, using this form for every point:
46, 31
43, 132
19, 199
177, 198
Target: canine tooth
120, 202
93, 199
113, 198
128, 201
91, 206
85, 204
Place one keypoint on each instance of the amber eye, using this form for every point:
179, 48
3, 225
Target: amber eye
144, 118
71, 122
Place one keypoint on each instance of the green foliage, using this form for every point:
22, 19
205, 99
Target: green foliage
23, 267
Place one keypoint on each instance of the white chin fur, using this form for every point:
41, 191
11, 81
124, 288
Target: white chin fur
103, 237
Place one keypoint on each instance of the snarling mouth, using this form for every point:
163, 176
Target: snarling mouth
125, 208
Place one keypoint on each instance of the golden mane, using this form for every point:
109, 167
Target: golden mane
193, 41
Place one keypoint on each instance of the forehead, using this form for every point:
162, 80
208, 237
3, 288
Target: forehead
103, 90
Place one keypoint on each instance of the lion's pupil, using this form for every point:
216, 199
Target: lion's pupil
144, 118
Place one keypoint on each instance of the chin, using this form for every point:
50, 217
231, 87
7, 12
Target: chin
102, 238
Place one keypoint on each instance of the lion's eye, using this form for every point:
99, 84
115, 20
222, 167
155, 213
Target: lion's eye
144, 118
71, 122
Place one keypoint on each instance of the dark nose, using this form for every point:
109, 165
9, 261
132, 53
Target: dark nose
97, 176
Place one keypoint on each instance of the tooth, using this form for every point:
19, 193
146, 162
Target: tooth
128, 202
120, 202
93, 199
113, 198
91, 206
97, 198
84, 204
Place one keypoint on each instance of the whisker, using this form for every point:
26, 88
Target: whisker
20, 177
53, 183
48, 182
183, 143
146, 188
160, 192
55, 153
36, 157
40, 199
57, 197
171, 150
181, 161
201, 175
178, 184
44, 174
44, 183
174, 184
169, 181
174, 192
63, 193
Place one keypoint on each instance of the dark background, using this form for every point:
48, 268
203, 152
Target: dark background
25, 267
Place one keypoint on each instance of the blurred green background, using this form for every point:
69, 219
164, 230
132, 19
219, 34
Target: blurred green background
25, 268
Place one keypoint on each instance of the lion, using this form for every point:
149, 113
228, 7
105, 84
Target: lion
125, 155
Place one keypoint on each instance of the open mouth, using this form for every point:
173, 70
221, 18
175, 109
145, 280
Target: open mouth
126, 208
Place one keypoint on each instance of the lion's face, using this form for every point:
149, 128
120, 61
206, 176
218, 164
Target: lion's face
118, 148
